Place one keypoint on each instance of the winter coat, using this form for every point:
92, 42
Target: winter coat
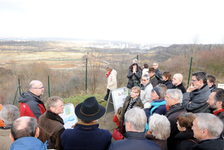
5, 141
210, 144
172, 115
134, 141
196, 101
28, 143
185, 140
168, 84
146, 93
112, 80
180, 87
154, 81
134, 78
138, 103
31, 105
86, 136
157, 106
51, 127
162, 143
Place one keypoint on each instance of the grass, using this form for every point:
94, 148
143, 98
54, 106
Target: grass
80, 98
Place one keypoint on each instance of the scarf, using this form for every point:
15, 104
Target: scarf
108, 74
53, 116
132, 102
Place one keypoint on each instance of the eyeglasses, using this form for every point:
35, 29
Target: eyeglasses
38, 88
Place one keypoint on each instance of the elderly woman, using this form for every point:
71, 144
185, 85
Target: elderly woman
51, 124
159, 130
158, 104
131, 101
184, 140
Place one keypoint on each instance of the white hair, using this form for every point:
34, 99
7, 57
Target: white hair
210, 122
9, 113
179, 76
175, 94
137, 118
159, 125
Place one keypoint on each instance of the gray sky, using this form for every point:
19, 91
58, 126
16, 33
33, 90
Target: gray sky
145, 21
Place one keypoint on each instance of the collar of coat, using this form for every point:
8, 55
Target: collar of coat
53, 116
135, 135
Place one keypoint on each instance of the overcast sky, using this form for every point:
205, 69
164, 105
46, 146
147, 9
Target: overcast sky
149, 21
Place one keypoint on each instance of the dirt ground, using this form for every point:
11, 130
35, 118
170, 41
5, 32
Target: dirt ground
106, 122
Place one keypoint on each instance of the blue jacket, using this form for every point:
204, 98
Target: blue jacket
85, 136
28, 143
157, 106
134, 141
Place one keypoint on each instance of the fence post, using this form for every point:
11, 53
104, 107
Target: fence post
49, 86
19, 86
189, 72
86, 74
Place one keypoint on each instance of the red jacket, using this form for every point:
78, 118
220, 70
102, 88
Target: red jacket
31, 105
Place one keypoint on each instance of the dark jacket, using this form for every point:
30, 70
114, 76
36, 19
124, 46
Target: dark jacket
138, 103
212, 88
134, 141
28, 143
196, 101
157, 106
158, 74
51, 127
134, 78
154, 81
211, 144
86, 136
168, 84
180, 87
162, 143
172, 115
220, 114
185, 140
31, 105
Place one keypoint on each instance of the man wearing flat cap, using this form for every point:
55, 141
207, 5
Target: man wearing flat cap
86, 133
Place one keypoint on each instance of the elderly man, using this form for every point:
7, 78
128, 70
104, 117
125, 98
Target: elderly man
195, 99
177, 82
173, 99
30, 103
8, 114
207, 129
24, 133
135, 120
86, 134
146, 88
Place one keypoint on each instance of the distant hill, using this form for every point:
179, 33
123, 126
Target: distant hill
164, 53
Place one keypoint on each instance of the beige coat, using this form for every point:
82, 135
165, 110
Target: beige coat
5, 141
112, 80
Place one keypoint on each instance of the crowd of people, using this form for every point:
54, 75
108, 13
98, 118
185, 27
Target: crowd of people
159, 114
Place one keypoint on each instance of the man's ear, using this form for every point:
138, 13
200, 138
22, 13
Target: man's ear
37, 133
11, 137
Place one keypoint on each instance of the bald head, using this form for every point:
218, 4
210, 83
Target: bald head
177, 79
36, 87
23, 127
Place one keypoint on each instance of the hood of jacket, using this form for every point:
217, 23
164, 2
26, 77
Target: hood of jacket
27, 96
